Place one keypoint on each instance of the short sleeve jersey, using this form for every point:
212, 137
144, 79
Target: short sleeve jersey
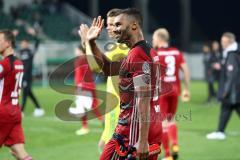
142, 61
11, 73
172, 59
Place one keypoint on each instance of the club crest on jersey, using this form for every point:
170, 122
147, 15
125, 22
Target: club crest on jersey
146, 68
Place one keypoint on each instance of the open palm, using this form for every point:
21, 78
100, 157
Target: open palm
83, 30
96, 28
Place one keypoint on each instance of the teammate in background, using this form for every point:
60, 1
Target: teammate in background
83, 78
139, 89
11, 73
27, 55
115, 52
174, 61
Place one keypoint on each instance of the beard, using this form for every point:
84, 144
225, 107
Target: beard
1, 51
123, 36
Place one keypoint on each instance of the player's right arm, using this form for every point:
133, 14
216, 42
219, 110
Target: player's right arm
109, 68
141, 68
143, 93
185, 70
93, 65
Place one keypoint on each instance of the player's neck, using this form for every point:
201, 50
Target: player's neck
7, 52
163, 45
135, 39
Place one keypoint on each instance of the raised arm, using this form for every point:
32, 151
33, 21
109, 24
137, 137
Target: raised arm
31, 31
97, 60
109, 68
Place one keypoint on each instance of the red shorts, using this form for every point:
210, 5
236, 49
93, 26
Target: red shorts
11, 133
168, 105
109, 152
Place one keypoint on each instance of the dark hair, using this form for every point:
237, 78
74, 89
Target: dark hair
8, 35
114, 12
135, 14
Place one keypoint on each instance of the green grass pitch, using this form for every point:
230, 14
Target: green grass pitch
49, 138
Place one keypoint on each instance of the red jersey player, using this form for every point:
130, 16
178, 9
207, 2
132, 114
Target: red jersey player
11, 73
86, 96
139, 89
174, 61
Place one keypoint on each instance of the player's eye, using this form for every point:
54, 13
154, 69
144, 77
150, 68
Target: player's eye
117, 24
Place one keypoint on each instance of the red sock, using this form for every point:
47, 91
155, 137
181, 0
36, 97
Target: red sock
172, 131
165, 141
84, 121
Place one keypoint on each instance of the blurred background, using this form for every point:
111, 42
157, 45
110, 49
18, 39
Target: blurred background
193, 25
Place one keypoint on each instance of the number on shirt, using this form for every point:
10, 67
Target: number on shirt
18, 84
170, 61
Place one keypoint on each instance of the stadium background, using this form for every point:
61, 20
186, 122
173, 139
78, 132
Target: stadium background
191, 23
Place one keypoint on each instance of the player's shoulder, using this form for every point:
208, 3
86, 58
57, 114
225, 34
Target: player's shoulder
9, 63
175, 49
81, 60
18, 61
5, 65
117, 51
141, 49
168, 51
12, 60
122, 47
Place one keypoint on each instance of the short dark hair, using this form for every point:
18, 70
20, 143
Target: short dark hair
114, 12
134, 13
8, 35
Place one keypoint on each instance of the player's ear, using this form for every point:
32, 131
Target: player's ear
134, 26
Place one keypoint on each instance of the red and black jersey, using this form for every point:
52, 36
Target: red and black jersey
11, 73
172, 58
143, 61
83, 76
